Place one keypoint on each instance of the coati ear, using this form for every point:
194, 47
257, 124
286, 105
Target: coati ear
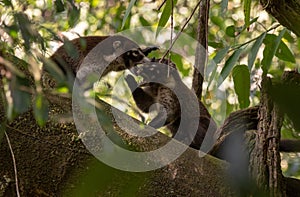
148, 50
117, 44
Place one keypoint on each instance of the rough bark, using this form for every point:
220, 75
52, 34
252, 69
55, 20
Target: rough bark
265, 158
51, 162
239, 131
286, 12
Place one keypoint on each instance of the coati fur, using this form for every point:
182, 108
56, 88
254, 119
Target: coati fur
169, 110
120, 53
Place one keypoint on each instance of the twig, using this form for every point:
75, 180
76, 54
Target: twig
183, 27
249, 41
171, 35
163, 3
14, 163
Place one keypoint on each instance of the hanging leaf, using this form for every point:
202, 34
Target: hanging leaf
271, 46
128, 10
229, 65
143, 21
287, 35
220, 55
254, 50
247, 9
59, 6
127, 23
165, 15
73, 14
21, 97
7, 2
241, 79
11, 67
213, 65
41, 109
177, 59
25, 28
283, 52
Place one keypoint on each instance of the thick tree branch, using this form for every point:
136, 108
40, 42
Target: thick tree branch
286, 12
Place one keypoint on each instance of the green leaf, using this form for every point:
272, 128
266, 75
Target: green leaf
73, 14
41, 109
11, 67
127, 23
287, 35
165, 15
219, 21
143, 21
128, 10
25, 28
216, 44
230, 31
241, 79
177, 59
247, 9
21, 98
283, 52
220, 55
229, 65
254, 50
212, 65
7, 2
59, 6
271, 46
54, 70
246, 27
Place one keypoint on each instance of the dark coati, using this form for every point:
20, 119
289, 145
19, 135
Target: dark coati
152, 91
119, 52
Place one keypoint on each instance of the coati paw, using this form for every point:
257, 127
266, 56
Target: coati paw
148, 50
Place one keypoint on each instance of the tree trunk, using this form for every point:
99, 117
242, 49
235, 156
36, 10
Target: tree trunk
265, 158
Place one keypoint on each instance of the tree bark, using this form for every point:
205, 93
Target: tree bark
265, 158
286, 12
201, 51
51, 161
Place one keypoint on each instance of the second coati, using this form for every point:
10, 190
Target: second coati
152, 91
117, 51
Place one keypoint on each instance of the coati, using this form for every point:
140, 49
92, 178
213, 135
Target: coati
120, 53
170, 109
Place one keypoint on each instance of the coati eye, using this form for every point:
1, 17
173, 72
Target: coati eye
135, 53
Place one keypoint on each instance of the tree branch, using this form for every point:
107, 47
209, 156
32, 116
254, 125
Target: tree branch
201, 51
